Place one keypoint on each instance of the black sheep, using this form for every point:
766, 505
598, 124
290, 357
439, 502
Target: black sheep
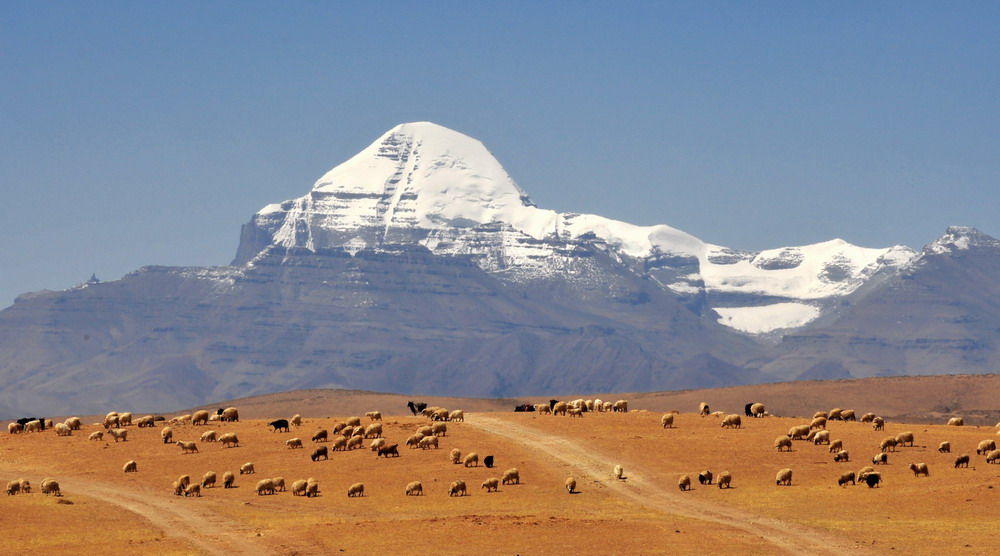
279, 424
873, 479
488, 461
416, 407
391, 449
747, 411
552, 404
320, 452
705, 478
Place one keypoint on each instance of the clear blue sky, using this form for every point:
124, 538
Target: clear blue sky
139, 133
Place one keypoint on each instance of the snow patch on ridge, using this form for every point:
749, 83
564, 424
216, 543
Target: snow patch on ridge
767, 318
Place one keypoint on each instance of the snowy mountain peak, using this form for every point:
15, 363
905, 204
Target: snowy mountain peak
960, 238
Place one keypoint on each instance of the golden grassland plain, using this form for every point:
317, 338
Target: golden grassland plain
103, 509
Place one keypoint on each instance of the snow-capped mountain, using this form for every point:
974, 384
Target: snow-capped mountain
424, 184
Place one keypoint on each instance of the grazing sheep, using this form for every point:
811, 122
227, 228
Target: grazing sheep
888, 444
867, 417
873, 479
15, 428
390, 450
878, 423
124, 419
456, 455
208, 480
783, 442
193, 489
296, 420
229, 440
491, 484
904, 439
339, 445
353, 422
230, 415
457, 415
471, 460
167, 434
836, 414
414, 489
279, 425
96, 435
842, 456
428, 441
130, 466
312, 488
818, 423
376, 444
457, 488
247, 469
279, 484
228, 479
440, 415
619, 472
684, 483
74, 423
864, 471
50, 486
993, 456
294, 443
821, 437
757, 410
836, 446
962, 461
111, 420
199, 417
798, 432
13, 487
919, 469
732, 421
848, 415
208, 436
944, 447
320, 452
374, 415
25, 485
842, 481
320, 436
881, 457
705, 478
575, 412
187, 447
299, 488
511, 476
667, 420
488, 462
560, 408
178, 489
374, 430
725, 478
118, 434
184, 480
416, 407
956, 422
425, 430
264, 486
355, 442
986, 446
784, 477
606, 407
439, 429
571, 485
543, 408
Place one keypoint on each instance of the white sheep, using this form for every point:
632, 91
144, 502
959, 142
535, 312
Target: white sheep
835, 414
757, 409
511, 476
867, 418
703, 409
904, 439
684, 483
456, 455
944, 447
919, 469
725, 478
374, 430
845, 478
184, 481
414, 489
732, 421
199, 417
312, 488
457, 415
667, 420
265, 486
355, 490
986, 446
294, 443
193, 489
353, 422
13, 487
956, 422
543, 408
208, 436
848, 415
620, 406
818, 423
228, 479
842, 456
619, 472
167, 434
575, 412
279, 484
457, 488
247, 469
229, 440
96, 435
471, 460
560, 408
878, 423
783, 442
299, 488
571, 485
130, 466
376, 444
124, 419
230, 415
355, 442
118, 434
836, 446
784, 477
144, 422
74, 423
439, 429
374, 415
50, 486
882, 458
187, 447
15, 428
888, 444
491, 484
208, 480
798, 432
993, 456
821, 437
296, 420
340, 444
428, 441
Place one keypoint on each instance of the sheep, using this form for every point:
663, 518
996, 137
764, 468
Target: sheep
177, 489
944, 447
96, 435
491, 484
986, 446
725, 478
543, 408
390, 450
732, 421
798, 432
167, 434
456, 455
818, 423
279, 484
374, 430
296, 420
184, 481
229, 439
124, 419
247, 469
15, 428
293, 443
374, 415
74, 423
993, 456
904, 439
575, 412
25, 485
880, 457
119, 434
428, 441
919, 469
130, 466
864, 471
264, 486
873, 479
355, 442
187, 447
757, 410
821, 437
13, 487
320, 452
848, 415
208, 436
312, 488
144, 422
339, 445
836, 414
867, 418
471, 460
667, 420
50, 486
111, 420
705, 478
836, 446
887, 443
962, 461
878, 423
193, 489
842, 481
414, 489
199, 417
842, 456
511, 476
784, 477
457, 415
299, 488
320, 436
571, 485
377, 443
353, 422
230, 415
560, 408
440, 415
457, 488
208, 480
228, 479
956, 422
619, 472
684, 483
607, 407
279, 425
